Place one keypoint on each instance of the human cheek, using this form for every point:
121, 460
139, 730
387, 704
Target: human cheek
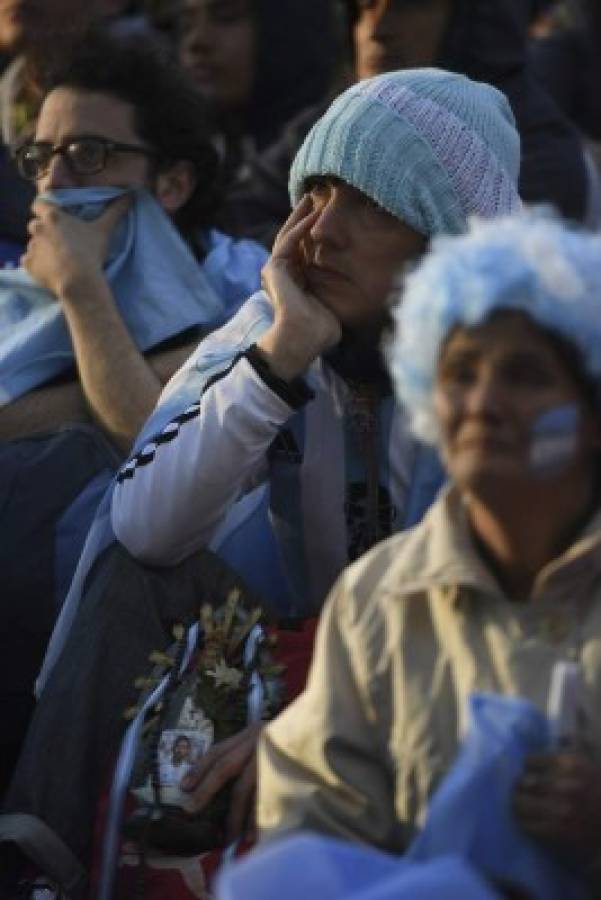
378, 273
448, 406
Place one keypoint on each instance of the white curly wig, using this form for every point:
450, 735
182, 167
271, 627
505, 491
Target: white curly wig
531, 262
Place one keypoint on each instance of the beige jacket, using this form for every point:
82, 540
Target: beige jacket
407, 633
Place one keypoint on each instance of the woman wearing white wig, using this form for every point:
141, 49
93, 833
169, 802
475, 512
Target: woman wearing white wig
497, 358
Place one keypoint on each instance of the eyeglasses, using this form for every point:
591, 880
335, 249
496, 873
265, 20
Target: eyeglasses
83, 155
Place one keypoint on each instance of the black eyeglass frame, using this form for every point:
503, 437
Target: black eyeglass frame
108, 146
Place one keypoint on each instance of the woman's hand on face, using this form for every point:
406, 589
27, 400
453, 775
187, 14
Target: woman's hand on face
558, 801
303, 327
66, 254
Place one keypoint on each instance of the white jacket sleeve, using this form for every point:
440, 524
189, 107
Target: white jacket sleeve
171, 497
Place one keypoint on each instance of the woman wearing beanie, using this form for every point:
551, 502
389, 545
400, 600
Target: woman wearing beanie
291, 397
497, 361
394, 161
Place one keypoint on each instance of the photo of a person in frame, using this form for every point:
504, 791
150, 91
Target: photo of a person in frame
181, 751
178, 751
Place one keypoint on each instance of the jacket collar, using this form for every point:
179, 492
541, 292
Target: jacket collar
441, 552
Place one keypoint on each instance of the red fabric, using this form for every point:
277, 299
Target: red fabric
294, 650
190, 879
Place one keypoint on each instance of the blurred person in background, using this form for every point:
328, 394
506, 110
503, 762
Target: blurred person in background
35, 33
260, 63
566, 56
126, 18
32, 34
567, 59
484, 39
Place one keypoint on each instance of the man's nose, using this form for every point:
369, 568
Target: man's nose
57, 175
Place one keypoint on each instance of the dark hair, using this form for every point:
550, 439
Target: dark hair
351, 8
297, 55
169, 114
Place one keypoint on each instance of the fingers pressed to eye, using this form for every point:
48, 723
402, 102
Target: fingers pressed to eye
302, 208
296, 227
288, 244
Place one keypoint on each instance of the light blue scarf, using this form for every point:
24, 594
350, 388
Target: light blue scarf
159, 287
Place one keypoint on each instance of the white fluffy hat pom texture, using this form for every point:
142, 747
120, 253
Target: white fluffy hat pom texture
530, 262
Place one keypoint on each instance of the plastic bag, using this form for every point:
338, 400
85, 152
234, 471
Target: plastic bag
307, 865
470, 841
470, 813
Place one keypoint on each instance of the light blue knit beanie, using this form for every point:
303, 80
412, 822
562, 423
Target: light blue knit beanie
429, 146
530, 262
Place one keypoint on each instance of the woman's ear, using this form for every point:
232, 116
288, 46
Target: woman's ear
175, 186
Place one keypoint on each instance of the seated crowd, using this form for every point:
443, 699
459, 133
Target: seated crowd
279, 330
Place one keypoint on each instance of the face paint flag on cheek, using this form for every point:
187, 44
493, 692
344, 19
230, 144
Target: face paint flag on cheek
554, 439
